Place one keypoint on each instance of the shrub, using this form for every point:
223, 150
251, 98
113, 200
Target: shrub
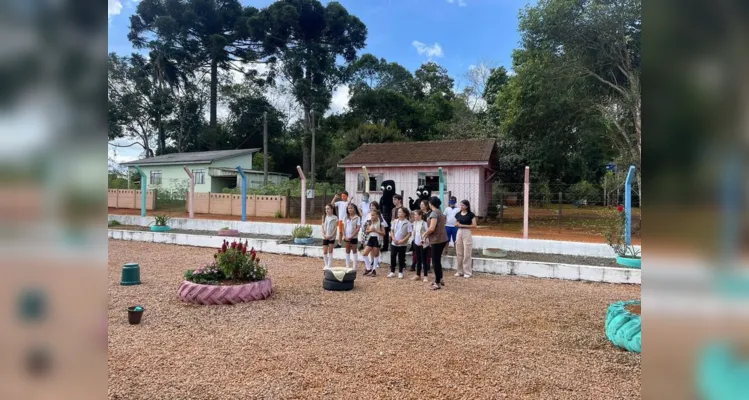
162, 219
302, 231
207, 274
278, 214
584, 190
113, 222
613, 231
239, 264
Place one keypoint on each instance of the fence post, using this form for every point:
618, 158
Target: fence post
525, 201
288, 204
628, 205
191, 193
143, 186
501, 209
303, 207
560, 211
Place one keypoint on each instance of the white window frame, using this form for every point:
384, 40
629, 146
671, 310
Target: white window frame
155, 173
199, 175
421, 180
378, 178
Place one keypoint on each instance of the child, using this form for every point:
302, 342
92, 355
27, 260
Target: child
452, 230
401, 234
426, 210
352, 225
421, 245
364, 208
329, 225
374, 230
341, 206
373, 206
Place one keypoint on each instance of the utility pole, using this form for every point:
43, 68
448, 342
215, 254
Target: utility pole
312, 162
265, 148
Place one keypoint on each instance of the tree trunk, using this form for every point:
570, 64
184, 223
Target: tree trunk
162, 137
306, 143
214, 99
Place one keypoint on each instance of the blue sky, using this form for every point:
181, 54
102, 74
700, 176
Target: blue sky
457, 34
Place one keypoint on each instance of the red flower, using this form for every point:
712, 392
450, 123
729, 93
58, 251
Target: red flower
233, 245
620, 208
223, 246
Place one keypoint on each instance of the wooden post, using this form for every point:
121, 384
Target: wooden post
501, 209
191, 193
265, 148
288, 203
560, 211
525, 201
303, 210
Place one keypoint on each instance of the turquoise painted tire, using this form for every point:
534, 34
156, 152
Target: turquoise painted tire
623, 328
629, 262
156, 228
721, 375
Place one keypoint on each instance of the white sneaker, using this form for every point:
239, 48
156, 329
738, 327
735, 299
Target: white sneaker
459, 274
466, 276
391, 275
400, 275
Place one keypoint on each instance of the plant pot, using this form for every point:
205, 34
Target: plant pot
629, 262
228, 232
133, 315
308, 240
624, 325
159, 228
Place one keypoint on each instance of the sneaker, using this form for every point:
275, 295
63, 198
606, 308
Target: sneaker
391, 275
425, 279
367, 272
374, 273
338, 246
416, 278
458, 274
413, 268
466, 276
400, 275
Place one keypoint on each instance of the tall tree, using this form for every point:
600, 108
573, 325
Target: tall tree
307, 38
208, 35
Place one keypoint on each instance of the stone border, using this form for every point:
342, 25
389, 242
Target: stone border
488, 265
214, 295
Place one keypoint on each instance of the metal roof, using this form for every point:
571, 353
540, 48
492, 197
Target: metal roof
190, 158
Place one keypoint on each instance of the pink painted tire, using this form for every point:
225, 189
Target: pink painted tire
213, 294
228, 232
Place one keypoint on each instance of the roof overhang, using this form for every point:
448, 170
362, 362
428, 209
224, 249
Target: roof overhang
416, 165
133, 164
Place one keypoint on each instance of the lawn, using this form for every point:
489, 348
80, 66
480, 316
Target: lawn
487, 337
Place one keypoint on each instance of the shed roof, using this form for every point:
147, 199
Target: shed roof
469, 151
191, 158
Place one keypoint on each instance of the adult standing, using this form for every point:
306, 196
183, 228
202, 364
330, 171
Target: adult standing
438, 238
466, 221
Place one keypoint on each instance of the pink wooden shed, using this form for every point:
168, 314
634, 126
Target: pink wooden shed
467, 165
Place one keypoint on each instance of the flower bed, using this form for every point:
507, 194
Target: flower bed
235, 276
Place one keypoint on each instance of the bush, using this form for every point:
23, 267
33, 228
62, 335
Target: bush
206, 275
584, 191
233, 261
161, 220
278, 214
292, 186
113, 223
613, 231
302, 231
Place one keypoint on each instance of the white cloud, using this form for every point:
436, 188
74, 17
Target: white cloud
461, 3
114, 7
339, 103
434, 50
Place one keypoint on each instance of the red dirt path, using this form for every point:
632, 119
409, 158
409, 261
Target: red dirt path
547, 233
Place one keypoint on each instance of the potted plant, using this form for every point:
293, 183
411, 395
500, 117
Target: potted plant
626, 254
134, 314
160, 223
226, 231
235, 276
302, 234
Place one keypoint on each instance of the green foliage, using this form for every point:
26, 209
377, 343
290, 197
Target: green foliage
238, 263
208, 274
116, 181
113, 222
302, 231
613, 230
258, 160
278, 214
584, 191
292, 185
161, 220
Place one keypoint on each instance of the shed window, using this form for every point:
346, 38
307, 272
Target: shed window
199, 176
431, 180
156, 177
375, 180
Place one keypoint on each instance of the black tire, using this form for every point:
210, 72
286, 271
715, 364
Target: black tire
349, 277
337, 286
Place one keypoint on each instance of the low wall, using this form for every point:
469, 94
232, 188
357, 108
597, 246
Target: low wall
231, 204
479, 242
494, 266
129, 198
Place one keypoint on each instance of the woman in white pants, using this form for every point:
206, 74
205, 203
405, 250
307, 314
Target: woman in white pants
466, 221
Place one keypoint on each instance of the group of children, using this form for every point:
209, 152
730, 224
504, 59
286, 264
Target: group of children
363, 228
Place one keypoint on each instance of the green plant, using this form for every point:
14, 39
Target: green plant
207, 274
113, 222
162, 219
226, 228
613, 231
278, 214
302, 231
239, 264
584, 190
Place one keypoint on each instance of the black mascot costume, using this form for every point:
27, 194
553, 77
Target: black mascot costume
422, 193
386, 206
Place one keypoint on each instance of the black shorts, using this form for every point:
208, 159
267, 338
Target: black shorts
353, 241
326, 242
373, 242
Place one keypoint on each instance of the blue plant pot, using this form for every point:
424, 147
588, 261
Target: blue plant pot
721, 374
157, 228
629, 262
303, 240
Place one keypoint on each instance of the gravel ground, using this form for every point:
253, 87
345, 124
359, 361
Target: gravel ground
487, 337
450, 251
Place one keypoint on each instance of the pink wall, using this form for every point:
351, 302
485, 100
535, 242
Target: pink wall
129, 198
464, 182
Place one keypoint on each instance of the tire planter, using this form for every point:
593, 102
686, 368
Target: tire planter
624, 328
228, 232
629, 262
159, 228
214, 294
721, 375
494, 253
308, 240
337, 286
350, 276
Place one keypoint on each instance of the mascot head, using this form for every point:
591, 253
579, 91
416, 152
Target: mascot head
388, 188
423, 192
